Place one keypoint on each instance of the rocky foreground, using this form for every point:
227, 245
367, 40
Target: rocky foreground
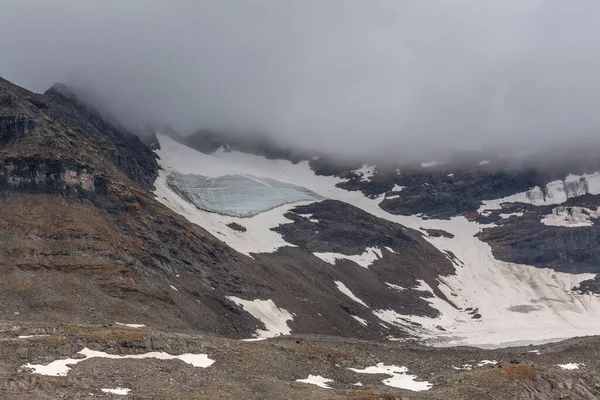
271, 369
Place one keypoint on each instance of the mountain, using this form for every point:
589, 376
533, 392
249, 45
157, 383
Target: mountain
114, 246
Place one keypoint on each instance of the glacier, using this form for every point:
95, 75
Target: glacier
240, 196
496, 288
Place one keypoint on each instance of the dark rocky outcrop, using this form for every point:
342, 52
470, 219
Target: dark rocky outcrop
443, 195
525, 240
237, 227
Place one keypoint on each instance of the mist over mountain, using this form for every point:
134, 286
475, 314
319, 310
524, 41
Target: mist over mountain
350, 77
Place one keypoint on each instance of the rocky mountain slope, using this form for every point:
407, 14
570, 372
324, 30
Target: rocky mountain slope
79, 214
212, 235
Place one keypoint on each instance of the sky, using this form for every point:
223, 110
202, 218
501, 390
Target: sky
347, 76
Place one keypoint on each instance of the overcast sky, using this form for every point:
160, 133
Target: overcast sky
350, 74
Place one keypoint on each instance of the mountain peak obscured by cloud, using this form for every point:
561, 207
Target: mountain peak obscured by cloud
346, 76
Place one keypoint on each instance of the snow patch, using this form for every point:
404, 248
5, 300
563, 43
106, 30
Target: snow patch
119, 391
360, 320
274, 318
316, 380
464, 367
344, 289
31, 336
484, 162
395, 287
400, 379
370, 255
309, 217
62, 367
366, 172
508, 215
570, 366
131, 325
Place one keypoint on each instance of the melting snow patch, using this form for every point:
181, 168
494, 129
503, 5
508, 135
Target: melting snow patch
395, 287
316, 380
309, 217
486, 362
400, 379
464, 367
62, 367
131, 325
508, 215
398, 188
366, 172
119, 391
569, 366
174, 288
344, 289
31, 336
360, 320
571, 217
370, 255
274, 318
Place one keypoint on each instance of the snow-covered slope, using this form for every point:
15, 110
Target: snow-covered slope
514, 303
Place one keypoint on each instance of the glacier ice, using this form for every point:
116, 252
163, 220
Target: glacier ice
237, 195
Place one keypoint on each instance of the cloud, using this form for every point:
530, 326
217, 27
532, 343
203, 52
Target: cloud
350, 76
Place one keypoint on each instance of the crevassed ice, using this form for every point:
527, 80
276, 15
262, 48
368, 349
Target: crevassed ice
237, 195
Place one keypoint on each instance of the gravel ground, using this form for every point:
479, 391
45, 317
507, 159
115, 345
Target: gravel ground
270, 369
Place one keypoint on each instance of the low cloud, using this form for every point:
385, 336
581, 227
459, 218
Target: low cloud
350, 76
